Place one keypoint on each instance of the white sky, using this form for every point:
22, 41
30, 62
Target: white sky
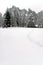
35, 5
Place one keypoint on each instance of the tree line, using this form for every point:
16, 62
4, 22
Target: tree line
15, 17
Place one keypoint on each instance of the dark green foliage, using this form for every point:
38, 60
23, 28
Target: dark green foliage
1, 20
19, 18
31, 25
15, 17
7, 21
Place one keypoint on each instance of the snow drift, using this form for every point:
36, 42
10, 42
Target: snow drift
21, 46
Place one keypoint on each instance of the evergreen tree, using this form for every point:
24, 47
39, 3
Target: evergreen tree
31, 25
7, 20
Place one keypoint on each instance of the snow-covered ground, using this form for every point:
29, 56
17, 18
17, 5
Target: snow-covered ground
21, 46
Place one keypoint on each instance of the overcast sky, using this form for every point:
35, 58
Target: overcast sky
35, 5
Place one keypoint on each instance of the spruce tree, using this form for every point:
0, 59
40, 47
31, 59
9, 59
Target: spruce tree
7, 22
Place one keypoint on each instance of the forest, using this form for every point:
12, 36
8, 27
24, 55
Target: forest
16, 17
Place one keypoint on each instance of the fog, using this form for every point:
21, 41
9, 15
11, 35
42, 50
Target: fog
36, 5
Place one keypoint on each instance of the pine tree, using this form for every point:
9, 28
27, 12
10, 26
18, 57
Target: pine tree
31, 25
7, 22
